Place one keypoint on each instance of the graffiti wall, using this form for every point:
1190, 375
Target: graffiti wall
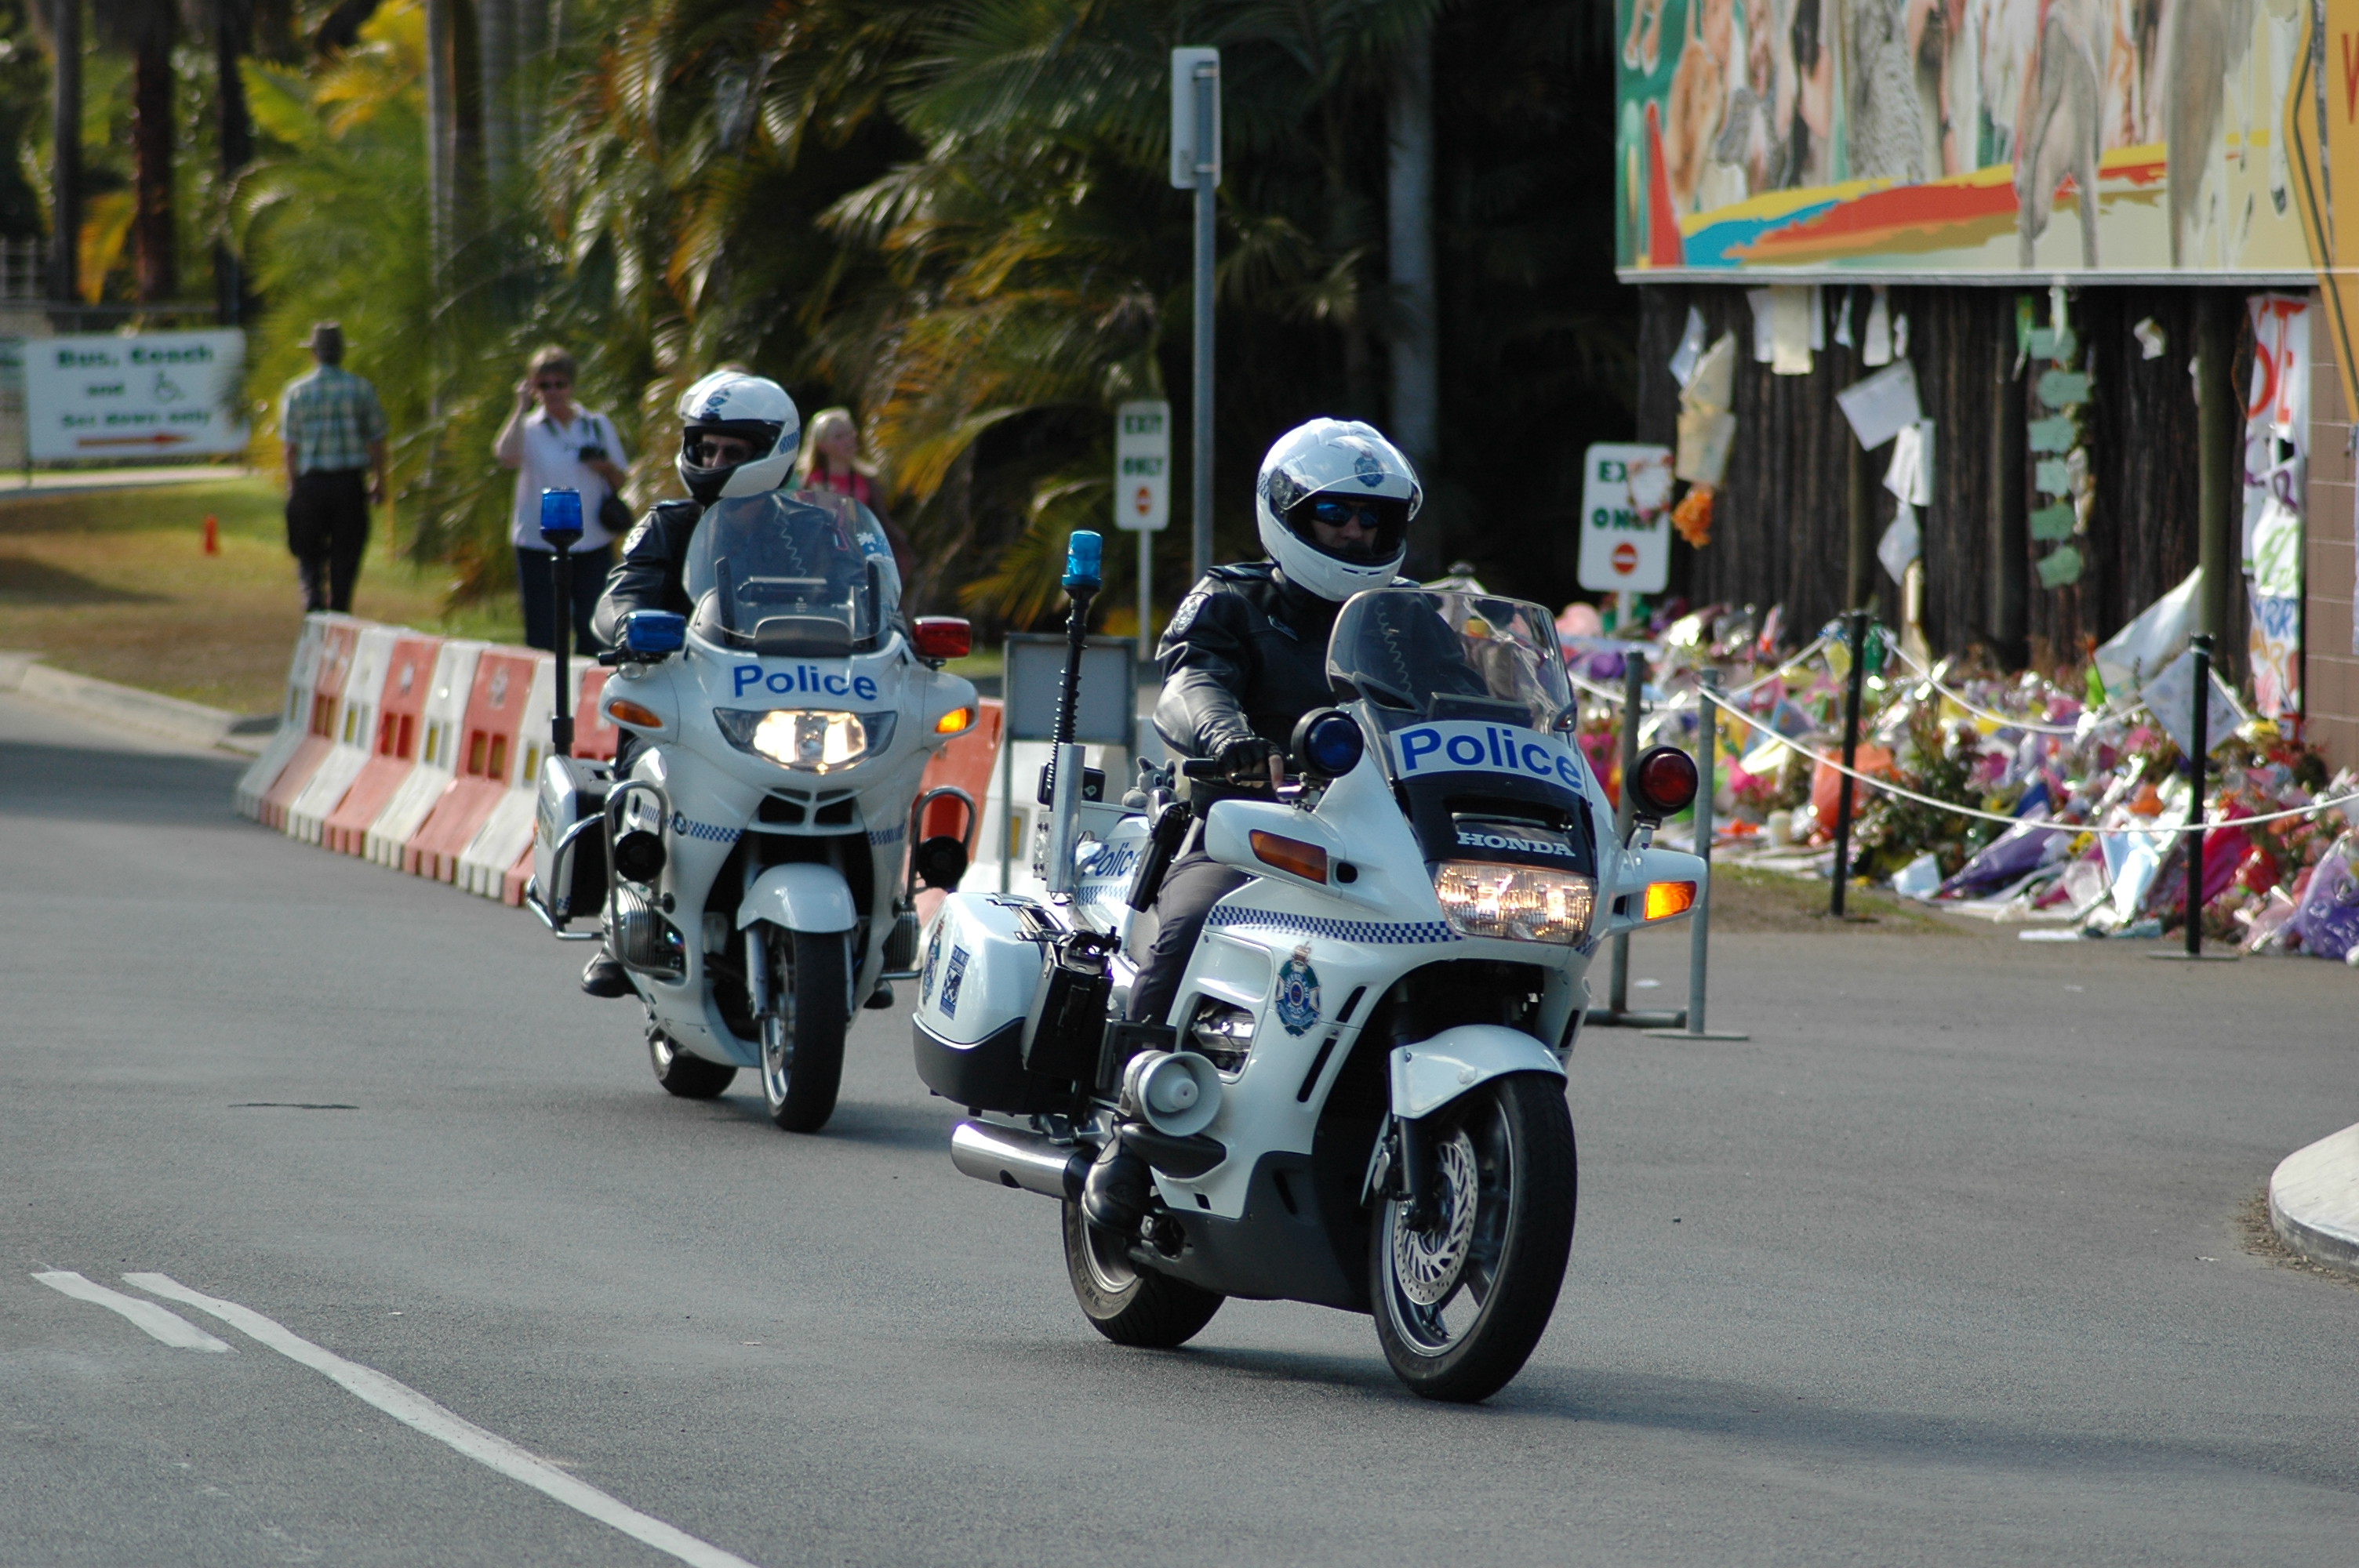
1998, 137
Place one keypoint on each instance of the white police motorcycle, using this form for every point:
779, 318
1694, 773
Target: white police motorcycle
1359, 1099
746, 868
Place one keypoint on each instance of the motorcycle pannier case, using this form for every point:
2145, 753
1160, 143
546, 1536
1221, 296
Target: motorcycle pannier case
977, 983
572, 882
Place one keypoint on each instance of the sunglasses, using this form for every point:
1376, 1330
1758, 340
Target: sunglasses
1336, 514
552, 386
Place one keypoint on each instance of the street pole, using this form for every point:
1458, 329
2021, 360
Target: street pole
1850, 760
1625, 809
1208, 80
65, 154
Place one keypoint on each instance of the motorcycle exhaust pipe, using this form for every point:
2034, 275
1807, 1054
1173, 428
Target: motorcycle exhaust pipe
1015, 1158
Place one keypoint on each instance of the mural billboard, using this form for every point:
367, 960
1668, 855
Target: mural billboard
1957, 136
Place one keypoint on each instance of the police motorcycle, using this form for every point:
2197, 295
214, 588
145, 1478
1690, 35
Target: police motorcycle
746, 869
1359, 1099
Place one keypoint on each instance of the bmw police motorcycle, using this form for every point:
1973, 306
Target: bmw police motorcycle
747, 868
1359, 1101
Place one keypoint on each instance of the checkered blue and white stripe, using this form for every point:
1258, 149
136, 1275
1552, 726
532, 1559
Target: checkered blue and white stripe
1379, 933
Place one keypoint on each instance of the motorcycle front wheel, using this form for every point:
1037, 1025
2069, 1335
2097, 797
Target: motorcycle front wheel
1460, 1304
1128, 1304
802, 1041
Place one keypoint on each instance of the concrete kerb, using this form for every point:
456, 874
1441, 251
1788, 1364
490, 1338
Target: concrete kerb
2314, 1201
190, 723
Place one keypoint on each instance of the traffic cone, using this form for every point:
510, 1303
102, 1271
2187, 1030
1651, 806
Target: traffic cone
213, 535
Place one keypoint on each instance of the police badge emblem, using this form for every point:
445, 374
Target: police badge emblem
1298, 992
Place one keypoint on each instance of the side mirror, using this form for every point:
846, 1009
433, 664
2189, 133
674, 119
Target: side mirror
1663, 784
940, 862
653, 633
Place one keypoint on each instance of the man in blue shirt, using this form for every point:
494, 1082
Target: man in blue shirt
334, 429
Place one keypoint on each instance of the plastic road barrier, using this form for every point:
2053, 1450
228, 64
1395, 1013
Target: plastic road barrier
438, 754
595, 738
338, 642
393, 746
307, 813
490, 738
506, 833
294, 719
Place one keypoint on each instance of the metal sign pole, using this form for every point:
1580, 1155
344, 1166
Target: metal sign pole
1196, 164
1700, 923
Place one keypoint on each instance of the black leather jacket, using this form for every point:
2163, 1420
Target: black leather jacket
1245, 654
648, 572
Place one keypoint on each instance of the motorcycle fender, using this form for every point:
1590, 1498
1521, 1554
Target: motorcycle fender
799, 897
1430, 1074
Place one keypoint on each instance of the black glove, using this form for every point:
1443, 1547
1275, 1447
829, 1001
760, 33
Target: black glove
1246, 760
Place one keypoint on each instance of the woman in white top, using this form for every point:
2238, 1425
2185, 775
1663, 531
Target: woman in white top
559, 446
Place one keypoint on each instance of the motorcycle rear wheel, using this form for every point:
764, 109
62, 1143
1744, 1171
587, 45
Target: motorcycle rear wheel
1461, 1307
684, 1073
802, 1052
1131, 1305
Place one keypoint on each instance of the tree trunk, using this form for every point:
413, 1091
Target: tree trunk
236, 137
65, 169
1416, 331
495, 27
153, 241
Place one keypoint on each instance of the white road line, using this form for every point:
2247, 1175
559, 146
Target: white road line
408, 1406
159, 1324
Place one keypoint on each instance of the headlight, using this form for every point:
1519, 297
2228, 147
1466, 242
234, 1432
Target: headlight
815, 740
1519, 903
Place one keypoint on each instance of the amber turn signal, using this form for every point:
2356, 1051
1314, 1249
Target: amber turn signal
623, 710
1667, 899
957, 721
1308, 861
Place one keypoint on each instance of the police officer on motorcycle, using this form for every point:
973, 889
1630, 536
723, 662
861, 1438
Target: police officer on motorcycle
738, 433
1243, 658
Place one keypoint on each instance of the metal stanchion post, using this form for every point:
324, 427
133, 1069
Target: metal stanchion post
1700, 923
2199, 727
1634, 688
1850, 760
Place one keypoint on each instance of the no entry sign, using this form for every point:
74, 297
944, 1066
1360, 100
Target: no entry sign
1626, 545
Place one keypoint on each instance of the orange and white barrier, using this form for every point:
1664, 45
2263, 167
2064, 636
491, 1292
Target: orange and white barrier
294, 719
307, 813
393, 748
424, 754
438, 755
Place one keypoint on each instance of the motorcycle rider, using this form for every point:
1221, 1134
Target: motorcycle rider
738, 433
1243, 658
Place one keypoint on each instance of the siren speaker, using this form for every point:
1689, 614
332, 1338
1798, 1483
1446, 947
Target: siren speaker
1178, 1092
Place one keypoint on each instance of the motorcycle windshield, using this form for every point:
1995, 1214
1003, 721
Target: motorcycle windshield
1422, 655
782, 575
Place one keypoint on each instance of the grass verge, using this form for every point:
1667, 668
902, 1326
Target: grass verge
1744, 898
116, 584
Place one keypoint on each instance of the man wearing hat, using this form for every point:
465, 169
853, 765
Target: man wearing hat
334, 429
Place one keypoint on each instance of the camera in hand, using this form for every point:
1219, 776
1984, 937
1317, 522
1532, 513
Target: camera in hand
594, 454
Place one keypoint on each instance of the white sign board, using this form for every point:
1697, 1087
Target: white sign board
1187, 66
1626, 538
1142, 467
158, 395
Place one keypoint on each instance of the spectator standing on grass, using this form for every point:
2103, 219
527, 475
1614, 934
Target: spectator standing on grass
559, 445
334, 429
832, 462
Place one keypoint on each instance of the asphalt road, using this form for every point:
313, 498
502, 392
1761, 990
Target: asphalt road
1942, 1265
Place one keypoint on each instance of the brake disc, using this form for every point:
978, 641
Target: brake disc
1427, 1264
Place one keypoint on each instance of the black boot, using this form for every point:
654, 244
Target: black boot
605, 976
1114, 1195
882, 997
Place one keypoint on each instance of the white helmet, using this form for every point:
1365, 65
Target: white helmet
1348, 466
751, 408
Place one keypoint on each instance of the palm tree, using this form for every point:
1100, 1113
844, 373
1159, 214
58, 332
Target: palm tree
144, 29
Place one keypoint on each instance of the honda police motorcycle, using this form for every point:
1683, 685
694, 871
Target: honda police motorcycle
747, 868
1359, 1099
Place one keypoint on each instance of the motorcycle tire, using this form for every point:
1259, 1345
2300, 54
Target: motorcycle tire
1131, 1305
1462, 1305
799, 1086
688, 1075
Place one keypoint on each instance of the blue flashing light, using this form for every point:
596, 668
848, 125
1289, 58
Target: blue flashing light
1082, 557
1333, 745
652, 632
560, 517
